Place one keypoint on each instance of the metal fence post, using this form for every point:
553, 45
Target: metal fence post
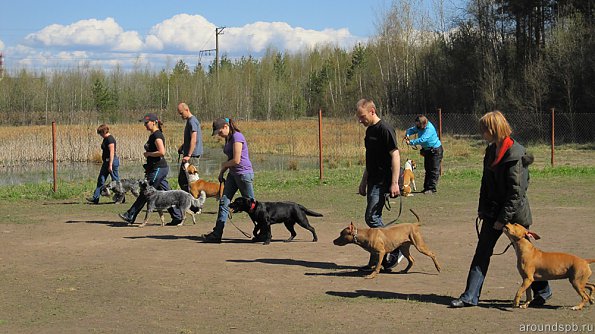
553, 138
54, 154
440, 123
440, 133
320, 143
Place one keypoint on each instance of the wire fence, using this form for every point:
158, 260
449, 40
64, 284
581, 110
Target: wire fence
568, 128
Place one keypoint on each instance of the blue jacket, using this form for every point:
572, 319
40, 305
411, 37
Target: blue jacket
426, 138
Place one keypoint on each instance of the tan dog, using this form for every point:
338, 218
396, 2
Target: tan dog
535, 265
408, 178
379, 241
196, 185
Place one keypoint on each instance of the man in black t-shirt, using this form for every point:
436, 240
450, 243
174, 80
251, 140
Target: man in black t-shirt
381, 175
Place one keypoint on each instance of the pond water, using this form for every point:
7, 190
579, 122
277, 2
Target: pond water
209, 168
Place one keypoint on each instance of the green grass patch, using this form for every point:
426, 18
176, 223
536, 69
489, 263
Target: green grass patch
271, 182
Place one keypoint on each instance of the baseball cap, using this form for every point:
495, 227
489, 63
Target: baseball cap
149, 117
218, 124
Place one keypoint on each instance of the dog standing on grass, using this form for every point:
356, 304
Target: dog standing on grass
535, 265
408, 178
159, 200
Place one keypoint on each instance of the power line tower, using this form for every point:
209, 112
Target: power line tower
218, 31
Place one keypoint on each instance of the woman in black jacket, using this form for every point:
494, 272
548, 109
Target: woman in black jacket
502, 200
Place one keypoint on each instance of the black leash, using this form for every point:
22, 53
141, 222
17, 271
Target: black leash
388, 207
479, 221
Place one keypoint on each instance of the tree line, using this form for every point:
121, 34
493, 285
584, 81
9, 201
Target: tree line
521, 56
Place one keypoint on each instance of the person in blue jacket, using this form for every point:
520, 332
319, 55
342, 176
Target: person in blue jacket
431, 150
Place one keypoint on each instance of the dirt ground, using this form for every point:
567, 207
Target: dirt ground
68, 267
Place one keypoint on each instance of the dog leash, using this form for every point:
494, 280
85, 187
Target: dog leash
413, 147
239, 229
388, 207
479, 221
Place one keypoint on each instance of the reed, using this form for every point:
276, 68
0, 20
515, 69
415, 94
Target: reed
342, 143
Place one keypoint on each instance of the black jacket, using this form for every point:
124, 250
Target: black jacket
503, 193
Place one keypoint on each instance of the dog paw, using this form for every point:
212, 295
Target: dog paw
576, 308
372, 275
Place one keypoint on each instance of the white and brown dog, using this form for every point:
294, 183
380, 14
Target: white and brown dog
196, 185
408, 178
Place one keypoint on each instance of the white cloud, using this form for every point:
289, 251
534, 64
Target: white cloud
256, 37
1, 45
105, 42
92, 33
182, 32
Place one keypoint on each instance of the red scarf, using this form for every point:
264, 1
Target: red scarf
506, 144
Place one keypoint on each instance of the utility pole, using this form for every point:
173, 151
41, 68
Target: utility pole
218, 31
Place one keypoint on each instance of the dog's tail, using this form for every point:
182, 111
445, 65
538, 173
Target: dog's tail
310, 212
198, 203
590, 260
416, 216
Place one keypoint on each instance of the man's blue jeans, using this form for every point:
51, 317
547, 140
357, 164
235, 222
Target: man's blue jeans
376, 199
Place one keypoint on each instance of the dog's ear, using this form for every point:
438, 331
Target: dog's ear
531, 234
351, 227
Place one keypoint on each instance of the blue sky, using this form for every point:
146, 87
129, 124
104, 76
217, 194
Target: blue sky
63, 33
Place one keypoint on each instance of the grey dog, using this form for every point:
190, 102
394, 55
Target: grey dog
159, 200
120, 188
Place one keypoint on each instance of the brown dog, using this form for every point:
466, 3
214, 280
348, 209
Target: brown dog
196, 185
408, 178
535, 265
379, 241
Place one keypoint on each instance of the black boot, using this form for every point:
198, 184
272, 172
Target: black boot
213, 238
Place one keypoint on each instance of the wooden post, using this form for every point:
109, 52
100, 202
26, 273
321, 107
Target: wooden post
320, 144
553, 137
54, 154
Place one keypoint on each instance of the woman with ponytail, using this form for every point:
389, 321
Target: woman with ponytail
240, 176
156, 169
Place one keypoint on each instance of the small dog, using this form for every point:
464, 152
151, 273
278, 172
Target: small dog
380, 241
408, 178
535, 265
264, 214
120, 188
196, 185
162, 200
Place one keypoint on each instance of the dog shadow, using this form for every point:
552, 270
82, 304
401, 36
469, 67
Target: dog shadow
293, 262
424, 298
165, 237
354, 272
109, 223
506, 305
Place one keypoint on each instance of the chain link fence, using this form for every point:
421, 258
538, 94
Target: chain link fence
569, 128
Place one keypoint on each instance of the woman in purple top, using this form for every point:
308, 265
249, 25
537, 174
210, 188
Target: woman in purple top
240, 176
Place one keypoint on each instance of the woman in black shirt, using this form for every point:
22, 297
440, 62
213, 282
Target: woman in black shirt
109, 161
156, 170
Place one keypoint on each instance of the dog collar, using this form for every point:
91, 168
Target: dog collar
252, 207
355, 235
